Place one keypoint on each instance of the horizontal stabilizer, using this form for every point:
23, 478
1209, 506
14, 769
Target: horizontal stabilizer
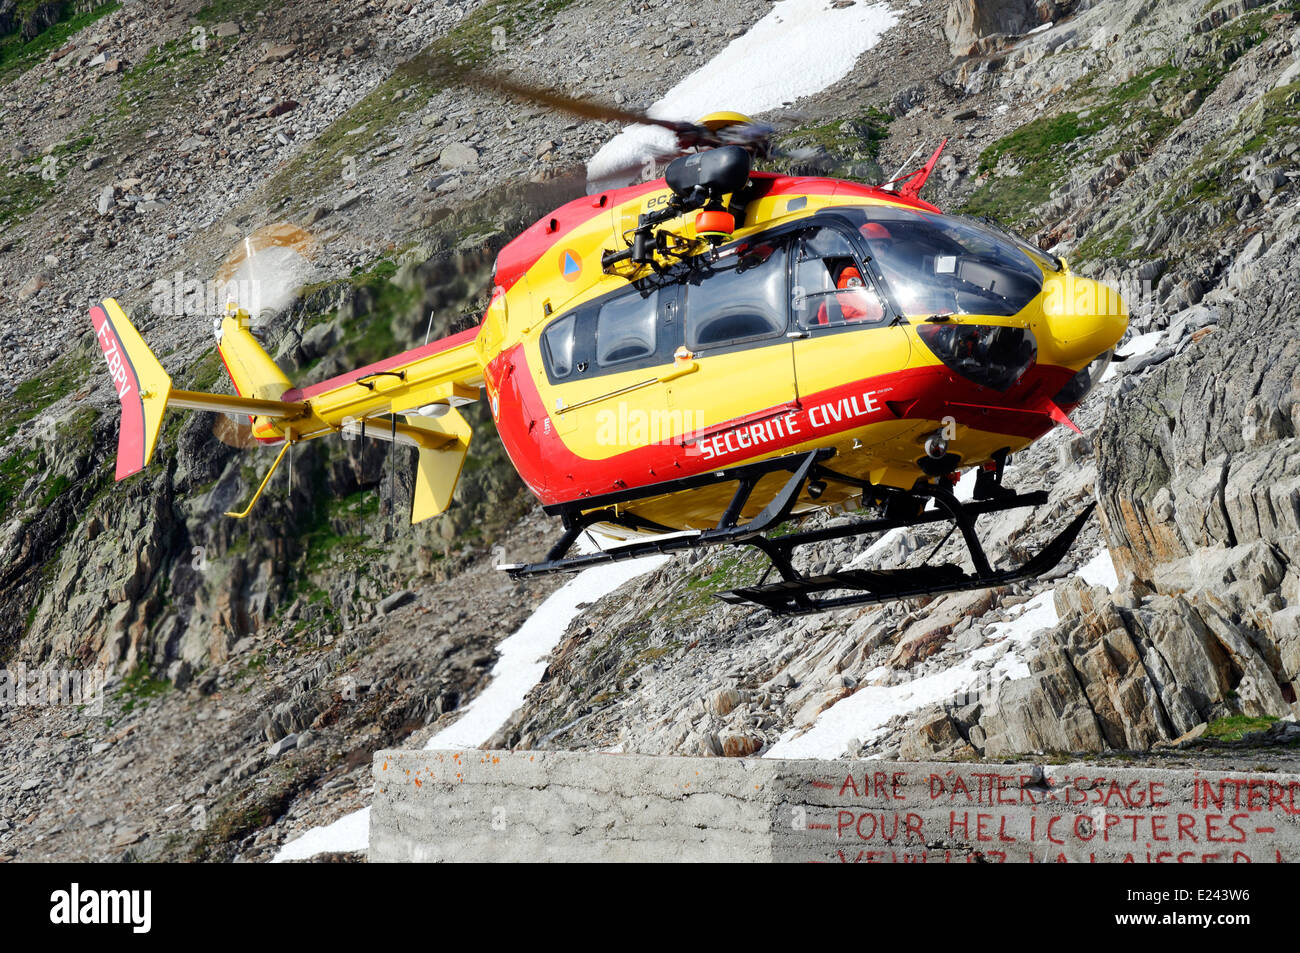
226, 404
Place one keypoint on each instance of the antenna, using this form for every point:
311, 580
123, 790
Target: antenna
913, 182
898, 173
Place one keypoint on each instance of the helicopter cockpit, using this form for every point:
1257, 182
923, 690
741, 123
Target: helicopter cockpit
853, 268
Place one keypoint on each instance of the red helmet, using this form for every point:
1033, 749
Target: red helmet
875, 231
850, 277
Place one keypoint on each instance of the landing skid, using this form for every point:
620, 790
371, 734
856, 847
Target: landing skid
797, 593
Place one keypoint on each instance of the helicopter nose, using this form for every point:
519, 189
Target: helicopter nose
1083, 317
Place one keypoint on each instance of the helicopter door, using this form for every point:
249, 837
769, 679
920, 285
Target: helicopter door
846, 343
734, 318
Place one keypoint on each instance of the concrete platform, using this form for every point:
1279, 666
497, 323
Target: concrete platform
582, 806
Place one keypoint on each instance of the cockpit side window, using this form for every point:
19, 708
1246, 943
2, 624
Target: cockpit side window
832, 289
738, 298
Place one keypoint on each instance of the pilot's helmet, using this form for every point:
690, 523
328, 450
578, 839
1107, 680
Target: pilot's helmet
849, 277
875, 232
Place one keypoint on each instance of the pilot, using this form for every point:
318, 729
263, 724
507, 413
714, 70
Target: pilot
860, 305
857, 302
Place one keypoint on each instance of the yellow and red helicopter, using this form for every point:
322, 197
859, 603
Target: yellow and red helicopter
696, 359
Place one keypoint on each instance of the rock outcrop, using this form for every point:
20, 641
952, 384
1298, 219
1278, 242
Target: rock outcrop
968, 22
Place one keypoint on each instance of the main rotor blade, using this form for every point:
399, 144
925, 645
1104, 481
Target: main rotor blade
446, 70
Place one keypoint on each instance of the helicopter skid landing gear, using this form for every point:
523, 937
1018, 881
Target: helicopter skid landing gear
794, 594
797, 593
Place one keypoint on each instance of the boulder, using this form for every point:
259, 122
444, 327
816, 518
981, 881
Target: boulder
396, 601
32, 285
1047, 711
457, 155
722, 701
935, 736
107, 199
739, 744
319, 339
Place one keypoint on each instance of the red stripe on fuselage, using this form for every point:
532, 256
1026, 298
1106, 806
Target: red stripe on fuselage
556, 474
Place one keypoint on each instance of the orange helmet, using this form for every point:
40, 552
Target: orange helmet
874, 231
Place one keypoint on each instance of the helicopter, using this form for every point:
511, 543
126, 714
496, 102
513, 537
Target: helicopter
699, 359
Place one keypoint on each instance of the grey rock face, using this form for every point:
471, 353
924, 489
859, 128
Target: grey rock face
1190, 448
1109, 677
1213, 434
969, 21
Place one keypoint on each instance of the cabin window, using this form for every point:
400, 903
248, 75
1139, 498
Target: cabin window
558, 341
832, 289
738, 298
625, 328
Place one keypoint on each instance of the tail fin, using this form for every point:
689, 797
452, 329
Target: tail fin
141, 383
145, 390
253, 372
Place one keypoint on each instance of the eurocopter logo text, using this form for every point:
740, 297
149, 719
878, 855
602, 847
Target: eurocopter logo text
77, 906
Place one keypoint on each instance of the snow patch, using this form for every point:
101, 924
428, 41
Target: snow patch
884, 542
1139, 345
799, 48
351, 832
965, 488
863, 715
523, 655
1100, 570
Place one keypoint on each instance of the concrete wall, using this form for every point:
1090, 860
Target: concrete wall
582, 806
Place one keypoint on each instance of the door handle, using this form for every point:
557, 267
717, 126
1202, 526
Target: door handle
681, 369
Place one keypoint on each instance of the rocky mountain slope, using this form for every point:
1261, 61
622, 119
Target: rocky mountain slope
1156, 145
